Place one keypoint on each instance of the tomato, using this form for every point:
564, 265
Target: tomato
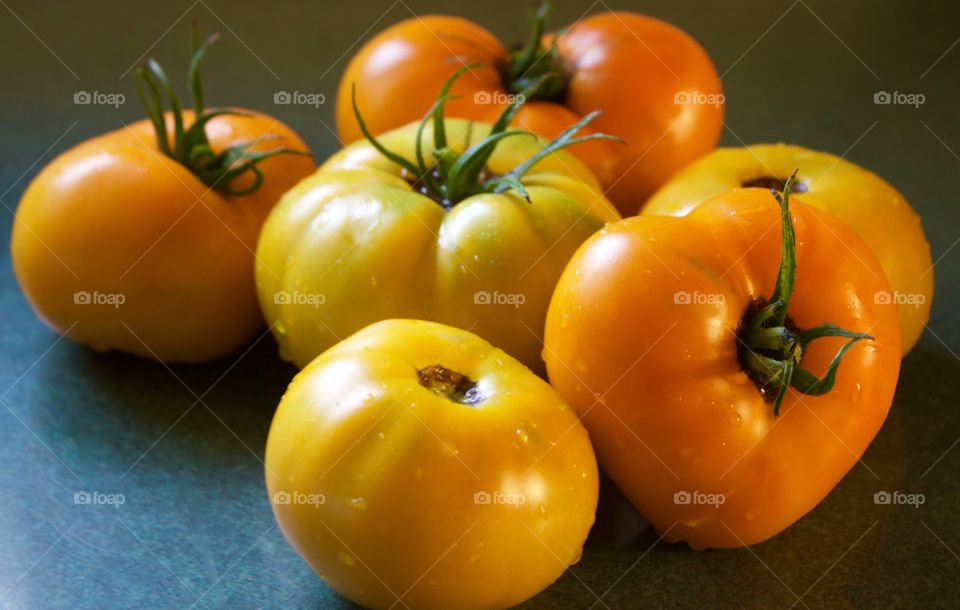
656, 85
415, 464
119, 245
370, 237
689, 357
871, 206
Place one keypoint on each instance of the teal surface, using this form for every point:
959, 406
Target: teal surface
184, 445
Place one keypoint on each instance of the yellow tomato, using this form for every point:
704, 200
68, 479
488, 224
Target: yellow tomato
356, 243
871, 206
414, 464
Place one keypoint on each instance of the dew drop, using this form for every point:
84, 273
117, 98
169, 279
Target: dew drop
358, 503
581, 365
857, 391
522, 433
347, 559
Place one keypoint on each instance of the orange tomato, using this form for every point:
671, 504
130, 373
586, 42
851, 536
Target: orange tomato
657, 87
865, 201
648, 338
120, 246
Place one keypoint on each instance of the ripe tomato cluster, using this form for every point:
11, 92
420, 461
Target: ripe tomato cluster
522, 265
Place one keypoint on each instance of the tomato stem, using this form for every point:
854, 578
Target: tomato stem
770, 346
454, 176
191, 148
535, 64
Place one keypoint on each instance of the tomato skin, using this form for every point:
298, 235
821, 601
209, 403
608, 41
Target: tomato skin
870, 205
398, 73
114, 216
356, 236
630, 66
676, 413
399, 467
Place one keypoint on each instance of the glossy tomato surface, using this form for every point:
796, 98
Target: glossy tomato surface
871, 206
355, 244
120, 247
414, 464
642, 340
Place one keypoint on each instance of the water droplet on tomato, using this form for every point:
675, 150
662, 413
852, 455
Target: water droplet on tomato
857, 391
581, 365
358, 503
522, 433
347, 559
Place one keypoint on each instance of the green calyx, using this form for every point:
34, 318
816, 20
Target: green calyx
455, 176
190, 147
535, 69
770, 346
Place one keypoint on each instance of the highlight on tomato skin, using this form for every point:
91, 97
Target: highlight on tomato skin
740, 372
413, 448
669, 111
869, 204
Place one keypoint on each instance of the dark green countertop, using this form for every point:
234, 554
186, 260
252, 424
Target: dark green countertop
184, 446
